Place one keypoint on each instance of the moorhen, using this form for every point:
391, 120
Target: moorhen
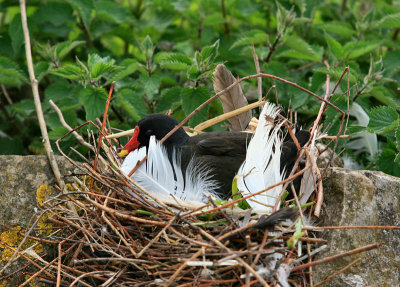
218, 154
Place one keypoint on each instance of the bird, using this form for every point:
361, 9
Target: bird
218, 154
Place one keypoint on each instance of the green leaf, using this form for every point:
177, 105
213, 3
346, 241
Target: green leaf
236, 194
299, 233
251, 37
47, 51
69, 71
339, 28
391, 63
284, 18
42, 69
11, 146
84, 8
99, 67
148, 47
65, 47
56, 92
174, 61
332, 116
16, 33
101, 70
214, 19
24, 107
389, 21
150, 85
356, 129
318, 80
132, 103
126, 68
10, 74
384, 95
94, 59
397, 134
169, 99
53, 121
386, 162
354, 50
57, 133
398, 138
191, 99
112, 11
299, 98
336, 73
302, 47
382, 120
335, 47
209, 53
55, 13
94, 101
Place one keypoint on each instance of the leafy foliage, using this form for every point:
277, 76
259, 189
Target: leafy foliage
162, 54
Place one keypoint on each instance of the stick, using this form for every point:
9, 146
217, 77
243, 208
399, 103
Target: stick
226, 116
79, 138
337, 256
330, 277
36, 98
258, 70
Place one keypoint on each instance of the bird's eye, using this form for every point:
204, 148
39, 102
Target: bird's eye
149, 133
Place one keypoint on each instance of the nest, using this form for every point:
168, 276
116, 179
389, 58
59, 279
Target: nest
105, 236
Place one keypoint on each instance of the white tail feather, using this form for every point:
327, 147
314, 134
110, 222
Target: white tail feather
163, 178
261, 168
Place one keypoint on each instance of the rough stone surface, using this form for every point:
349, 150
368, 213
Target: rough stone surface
20, 177
361, 198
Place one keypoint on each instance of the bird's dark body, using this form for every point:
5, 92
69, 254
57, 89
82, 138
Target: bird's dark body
221, 152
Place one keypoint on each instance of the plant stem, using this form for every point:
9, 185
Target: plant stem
86, 33
226, 26
273, 47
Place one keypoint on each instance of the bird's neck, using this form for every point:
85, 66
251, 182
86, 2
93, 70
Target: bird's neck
177, 139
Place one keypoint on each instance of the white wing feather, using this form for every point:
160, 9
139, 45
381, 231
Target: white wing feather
261, 168
163, 178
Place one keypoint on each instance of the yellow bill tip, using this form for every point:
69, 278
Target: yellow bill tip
123, 153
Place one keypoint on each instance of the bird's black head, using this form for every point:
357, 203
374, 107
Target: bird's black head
157, 125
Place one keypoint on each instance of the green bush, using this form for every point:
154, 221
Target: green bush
162, 54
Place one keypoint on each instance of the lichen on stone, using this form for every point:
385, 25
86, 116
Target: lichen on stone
45, 227
12, 238
43, 193
34, 282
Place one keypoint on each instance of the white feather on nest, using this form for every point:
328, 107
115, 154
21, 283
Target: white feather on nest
261, 167
163, 178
